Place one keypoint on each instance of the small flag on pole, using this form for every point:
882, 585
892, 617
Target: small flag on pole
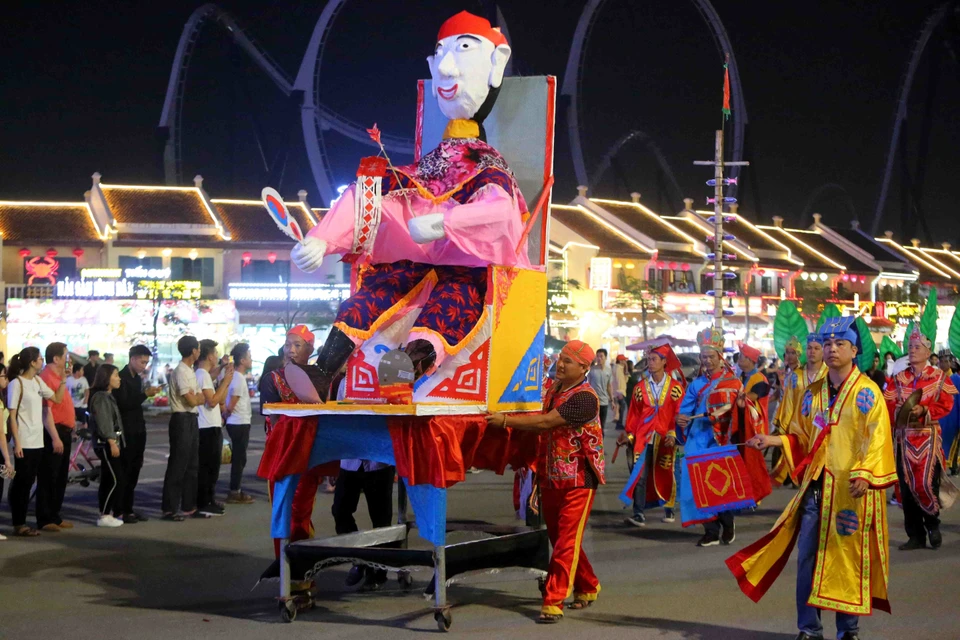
726, 88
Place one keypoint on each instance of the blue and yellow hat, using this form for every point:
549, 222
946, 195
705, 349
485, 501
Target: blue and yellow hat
843, 329
814, 337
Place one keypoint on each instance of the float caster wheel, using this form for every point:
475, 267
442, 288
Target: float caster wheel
288, 611
405, 580
444, 619
84, 483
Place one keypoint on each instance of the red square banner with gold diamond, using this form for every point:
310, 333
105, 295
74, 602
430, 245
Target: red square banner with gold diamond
719, 480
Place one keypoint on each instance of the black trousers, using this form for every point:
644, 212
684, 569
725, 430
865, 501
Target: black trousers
113, 482
131, 460
180, 480
916, 521
604, 408
713, 527
52, 477
211, 452
239, 439
376, 486
19, 497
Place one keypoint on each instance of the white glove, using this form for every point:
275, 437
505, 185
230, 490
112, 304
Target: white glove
308, 255
424, 229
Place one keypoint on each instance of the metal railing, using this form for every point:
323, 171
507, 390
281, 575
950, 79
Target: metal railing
41, 291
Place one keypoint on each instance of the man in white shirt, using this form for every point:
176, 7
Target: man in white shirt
210, 446
79, 390
238, 414
180, 481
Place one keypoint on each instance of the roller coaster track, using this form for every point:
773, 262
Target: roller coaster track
647, 141
573, 77
900, 117
315, 117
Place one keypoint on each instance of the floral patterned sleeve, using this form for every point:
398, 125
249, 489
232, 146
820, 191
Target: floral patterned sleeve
580, 408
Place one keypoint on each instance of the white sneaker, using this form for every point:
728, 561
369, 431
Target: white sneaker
109, 521
2, 537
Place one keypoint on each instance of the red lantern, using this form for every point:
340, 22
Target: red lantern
846, 278
863, 279
685, 266
673, 266
51, 253
247, 257
272, 257
24, 252
78, 253
661, 265
761, 271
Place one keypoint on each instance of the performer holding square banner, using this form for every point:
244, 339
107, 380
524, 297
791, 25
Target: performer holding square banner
714, 482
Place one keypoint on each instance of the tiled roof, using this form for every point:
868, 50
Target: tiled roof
865, 243
319, 212
943, 261
595, 231
248, 222
645, 221
47, 222
157, 205
929, 270
816, 252
750, 234
697, 230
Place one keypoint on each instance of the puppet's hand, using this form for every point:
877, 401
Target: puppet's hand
424, 229
308, 255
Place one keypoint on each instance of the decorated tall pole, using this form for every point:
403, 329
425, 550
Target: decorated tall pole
718, 200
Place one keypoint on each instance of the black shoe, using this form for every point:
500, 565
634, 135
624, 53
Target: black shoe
708, 540
330, 359
423, 356
129, 518
139, 516
213, 510
850, 635
913, 543
729, 535
355, 576
807, 636
936, 539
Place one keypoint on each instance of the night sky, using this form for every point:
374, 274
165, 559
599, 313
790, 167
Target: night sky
83, 87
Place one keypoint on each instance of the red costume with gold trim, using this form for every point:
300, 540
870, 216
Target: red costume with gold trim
651, 418
570, 467
918, 445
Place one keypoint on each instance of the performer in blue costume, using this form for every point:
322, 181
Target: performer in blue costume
950, 425
714, 388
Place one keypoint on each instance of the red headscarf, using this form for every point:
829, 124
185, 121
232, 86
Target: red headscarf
466, 23
750, 352
302, 331
579, 351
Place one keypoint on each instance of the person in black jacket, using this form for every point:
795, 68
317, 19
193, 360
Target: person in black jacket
131, 395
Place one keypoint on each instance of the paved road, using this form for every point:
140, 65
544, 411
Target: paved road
197, 579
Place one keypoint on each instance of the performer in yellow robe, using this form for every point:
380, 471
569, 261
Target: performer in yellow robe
841, 454
795, 384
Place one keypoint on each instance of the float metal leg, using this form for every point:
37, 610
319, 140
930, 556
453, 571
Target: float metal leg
440, 574
284, 570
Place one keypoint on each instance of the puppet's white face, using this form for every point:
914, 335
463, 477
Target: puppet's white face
464, 68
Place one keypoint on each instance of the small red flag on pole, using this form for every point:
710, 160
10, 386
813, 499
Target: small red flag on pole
726, 88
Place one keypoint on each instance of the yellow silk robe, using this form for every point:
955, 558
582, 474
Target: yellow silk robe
794, 384
852, 566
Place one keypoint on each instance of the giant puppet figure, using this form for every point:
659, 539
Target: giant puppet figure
434, 226
916, 399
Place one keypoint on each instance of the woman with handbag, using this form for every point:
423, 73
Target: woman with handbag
108, 428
